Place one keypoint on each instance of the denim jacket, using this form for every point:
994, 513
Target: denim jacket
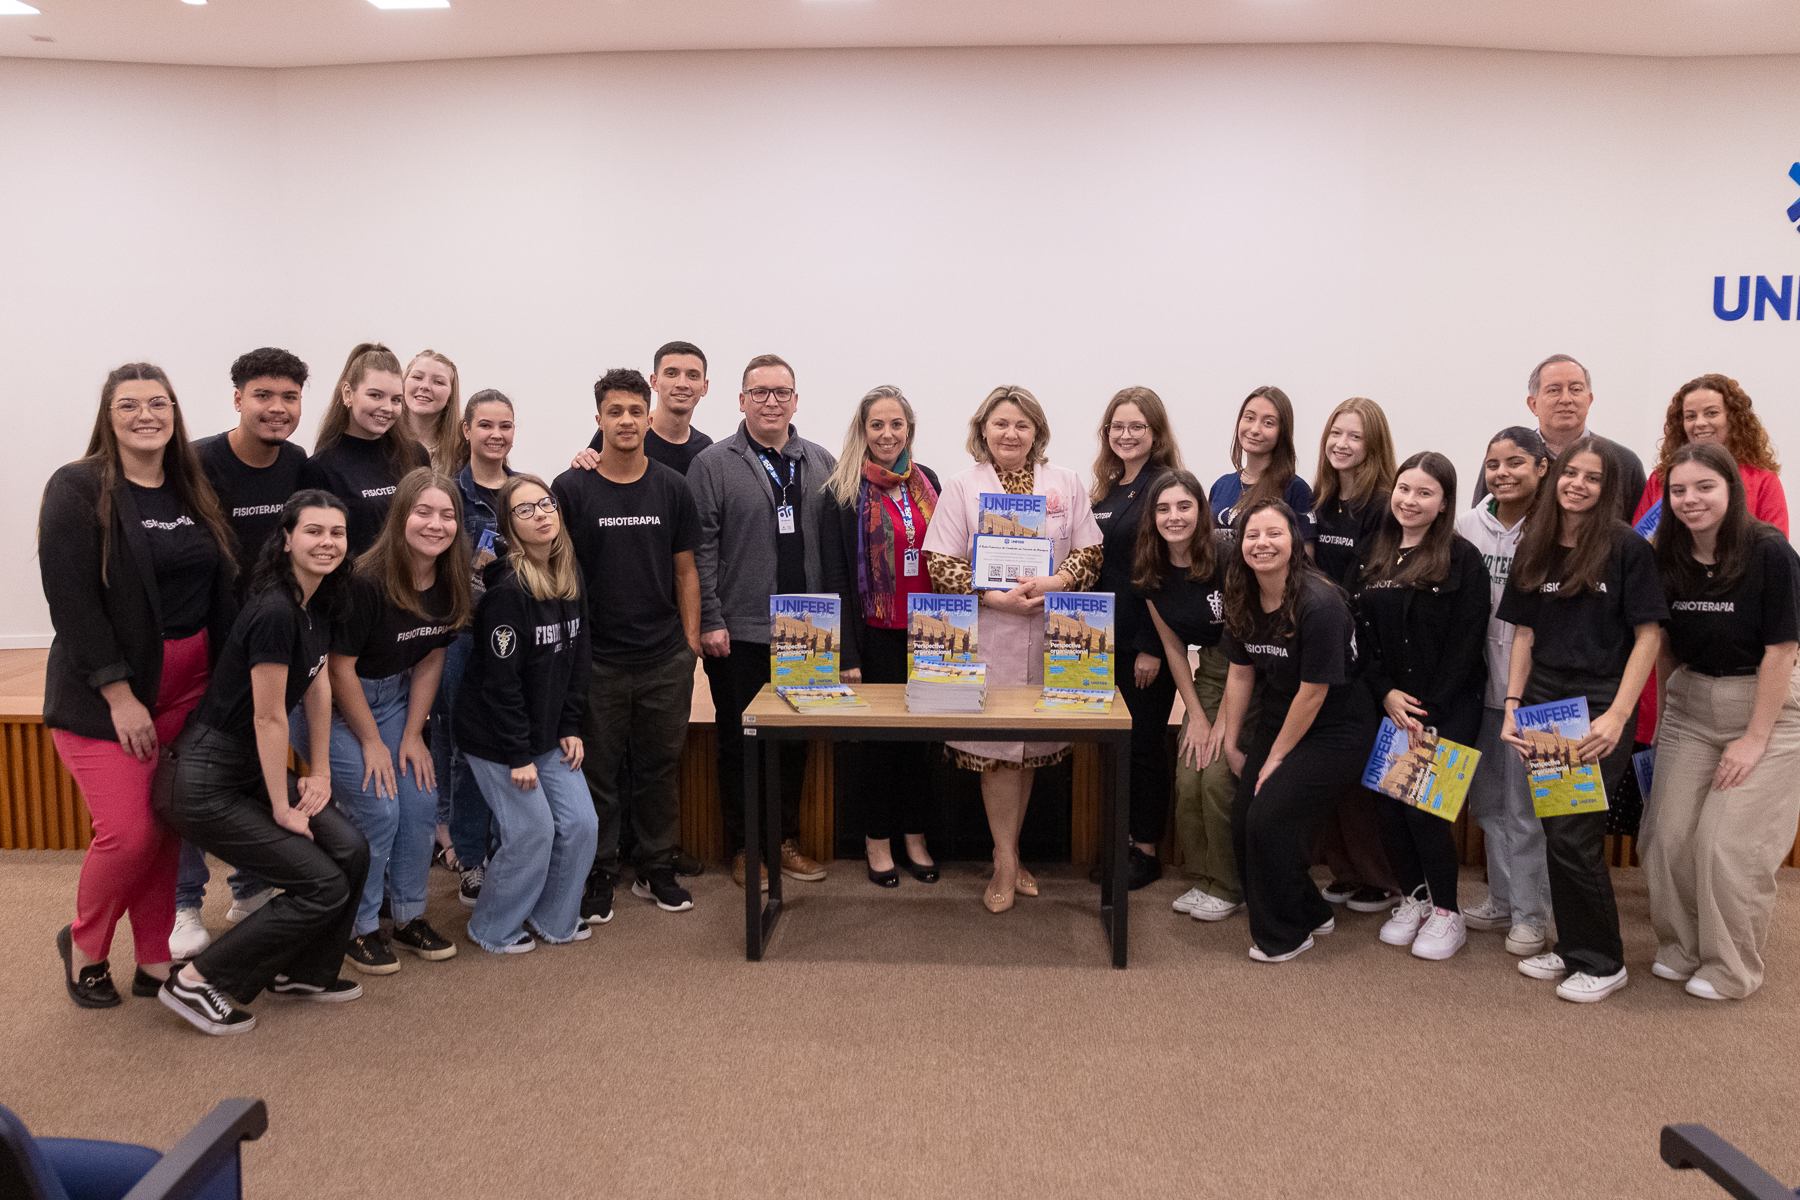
486, 543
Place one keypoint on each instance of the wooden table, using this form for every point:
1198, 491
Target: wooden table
1010, 716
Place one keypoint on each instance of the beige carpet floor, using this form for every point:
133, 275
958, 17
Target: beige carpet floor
908, 1043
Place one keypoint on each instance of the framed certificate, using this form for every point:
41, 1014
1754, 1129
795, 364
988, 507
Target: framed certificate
1001, 561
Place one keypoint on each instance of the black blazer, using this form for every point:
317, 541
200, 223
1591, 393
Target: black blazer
108, 631
837, 563
1437, 649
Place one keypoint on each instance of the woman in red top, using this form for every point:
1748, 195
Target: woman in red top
1711, 408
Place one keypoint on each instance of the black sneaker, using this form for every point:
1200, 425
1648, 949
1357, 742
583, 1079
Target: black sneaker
582, 933
658, 884
370, 955
418, 936
596, 901
203, 1006
1371, 899
687, 865
1141, 870
336, 991
524, 944
470, 890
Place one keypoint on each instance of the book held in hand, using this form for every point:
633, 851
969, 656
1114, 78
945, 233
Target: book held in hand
941, 628
804, 640
836, 698
1560, 782
1009, 541
1422, 770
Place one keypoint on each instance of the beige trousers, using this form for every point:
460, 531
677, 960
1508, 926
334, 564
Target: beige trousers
1709, 857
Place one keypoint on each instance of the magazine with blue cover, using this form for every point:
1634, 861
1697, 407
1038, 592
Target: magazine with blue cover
803, 639
1079, 651
1560, 782
1648, 523
941, 628
1009, 541
1003, 514
1423, 770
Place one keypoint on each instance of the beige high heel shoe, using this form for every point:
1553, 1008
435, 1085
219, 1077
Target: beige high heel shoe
1027, 886
999, 899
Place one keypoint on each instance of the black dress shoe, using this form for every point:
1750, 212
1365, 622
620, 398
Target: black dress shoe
686, 864
93, 987
927, 873
889, 878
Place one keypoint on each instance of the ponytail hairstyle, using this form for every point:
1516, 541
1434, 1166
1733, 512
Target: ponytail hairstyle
275, 566
1164, 453
1151, 563
181, 466
1429, 562
1375, 473
560, 578
448, 449
1738, 533
388, 563
1586, 561
397, 447
1283, 463
1243, 595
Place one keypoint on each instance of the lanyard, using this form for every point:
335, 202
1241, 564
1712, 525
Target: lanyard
763, 459
906, 515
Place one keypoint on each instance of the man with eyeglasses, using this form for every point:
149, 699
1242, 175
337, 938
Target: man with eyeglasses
761, 527
1559, 394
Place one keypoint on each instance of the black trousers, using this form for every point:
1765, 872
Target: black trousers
1272, 831
210, 787
892, 777
1420, 847
1149, 708
1581, 891
734, 681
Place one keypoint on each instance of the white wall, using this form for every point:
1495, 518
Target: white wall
1419, 226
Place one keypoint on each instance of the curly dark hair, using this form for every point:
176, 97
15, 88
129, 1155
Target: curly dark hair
267, 363
1745, 436
622, 379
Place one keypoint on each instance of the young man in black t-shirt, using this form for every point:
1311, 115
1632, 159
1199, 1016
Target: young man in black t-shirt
634, 527
678, 377
254, 469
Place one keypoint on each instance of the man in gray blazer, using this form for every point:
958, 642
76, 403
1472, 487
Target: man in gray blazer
761, 527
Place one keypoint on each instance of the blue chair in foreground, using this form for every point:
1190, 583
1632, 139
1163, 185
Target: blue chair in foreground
202, 1166
1697, 1148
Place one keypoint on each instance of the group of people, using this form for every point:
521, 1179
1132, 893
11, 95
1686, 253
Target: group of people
475, 666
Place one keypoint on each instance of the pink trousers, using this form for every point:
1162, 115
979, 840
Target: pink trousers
133, 860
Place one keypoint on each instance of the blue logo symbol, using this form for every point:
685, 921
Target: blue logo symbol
1793, 212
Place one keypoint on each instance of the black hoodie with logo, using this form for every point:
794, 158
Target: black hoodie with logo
525, 688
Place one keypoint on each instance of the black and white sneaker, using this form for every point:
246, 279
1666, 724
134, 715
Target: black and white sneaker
418, 936
470, 891
658, 884
596, 901
524, 945
686, 864
370, 955
582, 933
204, 1007
336, 991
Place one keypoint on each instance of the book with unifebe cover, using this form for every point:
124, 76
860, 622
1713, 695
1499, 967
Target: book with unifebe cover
1423, 770
1560, 782
804, 639
836, 698
1079, 650
941, 627
1002, 514
1085, 700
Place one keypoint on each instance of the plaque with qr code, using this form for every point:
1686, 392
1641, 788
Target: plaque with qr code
1001, 562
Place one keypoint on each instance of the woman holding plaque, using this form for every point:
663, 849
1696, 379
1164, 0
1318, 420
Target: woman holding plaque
1722, 805
1586, 604
1422, 607
1007, 437
881, 505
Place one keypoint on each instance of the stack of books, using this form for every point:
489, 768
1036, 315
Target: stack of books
946, 687
942, 675
1079, 653
803, 653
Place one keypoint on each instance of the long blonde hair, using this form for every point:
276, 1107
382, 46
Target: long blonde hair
560, 578
1375, 473
388, 563
1165, 455
846, 481
448, 448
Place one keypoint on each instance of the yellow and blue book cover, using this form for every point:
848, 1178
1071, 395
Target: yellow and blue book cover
940, 628
1560, 782
1425, 771
804, 639
1078, 641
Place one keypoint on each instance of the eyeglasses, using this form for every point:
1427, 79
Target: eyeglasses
545, 505
764, 395
1135, 429
129, 408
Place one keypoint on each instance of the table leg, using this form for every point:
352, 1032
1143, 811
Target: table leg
1119, 842
771, 796
753, 902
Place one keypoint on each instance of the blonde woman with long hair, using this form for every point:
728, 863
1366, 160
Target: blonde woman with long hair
518, 723
1351, 488
433, 395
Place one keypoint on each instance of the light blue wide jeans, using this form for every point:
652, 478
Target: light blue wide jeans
547, 840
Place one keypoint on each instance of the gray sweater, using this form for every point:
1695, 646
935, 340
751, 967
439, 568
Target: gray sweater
736, 556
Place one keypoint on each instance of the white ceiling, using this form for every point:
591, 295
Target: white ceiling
290, 33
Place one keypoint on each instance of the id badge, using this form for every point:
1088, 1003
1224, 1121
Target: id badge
910, 564
784, 518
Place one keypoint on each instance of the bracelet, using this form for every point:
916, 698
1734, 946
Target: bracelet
1520, 699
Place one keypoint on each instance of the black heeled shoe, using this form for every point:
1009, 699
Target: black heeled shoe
889, 878
93, 986
924, 874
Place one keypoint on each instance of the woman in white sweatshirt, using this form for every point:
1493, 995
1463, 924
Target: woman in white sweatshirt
1518, 899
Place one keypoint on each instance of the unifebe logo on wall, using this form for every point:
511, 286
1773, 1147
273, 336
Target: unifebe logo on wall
1758, 296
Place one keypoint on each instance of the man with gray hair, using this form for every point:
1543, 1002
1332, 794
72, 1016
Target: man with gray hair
1560, 392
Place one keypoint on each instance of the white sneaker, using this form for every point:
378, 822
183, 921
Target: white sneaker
1583, 988
1487, 916
1661, 971
1403, 926
1257, 954
1330, 926
1706, 991
1442, 936
1523, 939
1543, 966
249, 904
1185, 902
189, 937
1210, 908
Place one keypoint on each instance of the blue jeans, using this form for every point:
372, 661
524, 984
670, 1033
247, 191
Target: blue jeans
547, 839
190, 884
471, 834
400, 829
